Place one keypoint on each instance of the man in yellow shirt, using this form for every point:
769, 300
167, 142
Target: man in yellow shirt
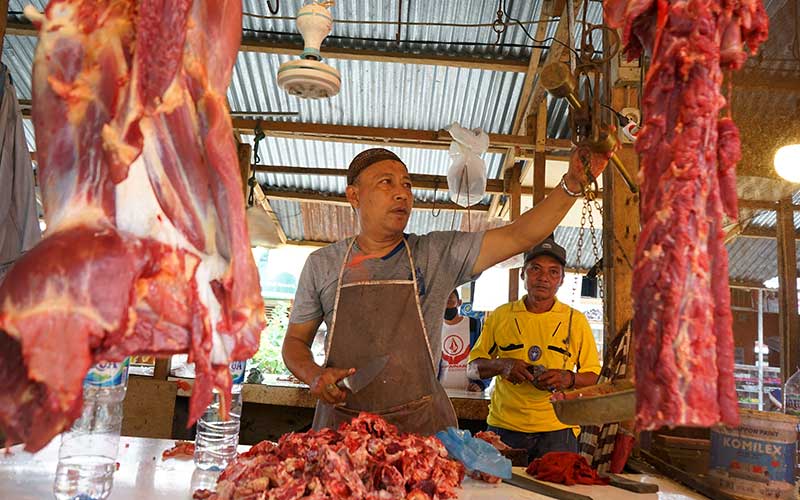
534, 346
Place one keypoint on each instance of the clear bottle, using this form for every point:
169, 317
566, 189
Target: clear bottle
216, 439
88, 453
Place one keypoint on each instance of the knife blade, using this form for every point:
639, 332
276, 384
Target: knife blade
543, 489
363, 375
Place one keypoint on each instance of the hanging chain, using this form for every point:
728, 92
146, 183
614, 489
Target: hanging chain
499, 25
259, 136
592, 202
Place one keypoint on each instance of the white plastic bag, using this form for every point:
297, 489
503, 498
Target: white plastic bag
466, 177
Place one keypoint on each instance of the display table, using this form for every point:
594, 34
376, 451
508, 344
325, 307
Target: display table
142, 474
282, 391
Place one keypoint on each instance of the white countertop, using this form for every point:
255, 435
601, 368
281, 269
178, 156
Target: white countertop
142, 474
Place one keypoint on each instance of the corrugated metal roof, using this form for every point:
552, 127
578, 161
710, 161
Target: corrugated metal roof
567, 237
381, 94
752, 260
306, 153
18, 56
769, 218
30, 137
321, 154
19, 5
437, 39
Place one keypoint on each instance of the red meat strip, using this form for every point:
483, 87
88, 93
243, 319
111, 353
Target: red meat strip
182, 449
146, 250
564, 468
682, 317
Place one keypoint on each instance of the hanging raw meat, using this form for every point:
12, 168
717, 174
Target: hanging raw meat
146, 249
682, 317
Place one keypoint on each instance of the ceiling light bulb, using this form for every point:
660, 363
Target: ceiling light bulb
787, 162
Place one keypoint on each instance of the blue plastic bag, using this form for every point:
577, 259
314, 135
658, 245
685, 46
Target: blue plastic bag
474, 453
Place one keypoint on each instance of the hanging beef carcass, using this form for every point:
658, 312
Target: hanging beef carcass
682, 317
146, 249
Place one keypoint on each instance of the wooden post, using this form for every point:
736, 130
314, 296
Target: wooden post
540, 157
3, 21
788, 321
245, 151
620, 228
162, 368
515, 191
620, 231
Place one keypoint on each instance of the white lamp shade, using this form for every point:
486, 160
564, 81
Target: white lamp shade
787, 162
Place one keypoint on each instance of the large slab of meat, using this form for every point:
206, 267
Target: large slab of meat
365, 458
146, 249
682, 317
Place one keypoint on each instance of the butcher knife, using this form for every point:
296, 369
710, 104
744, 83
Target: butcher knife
543, 489
364, 375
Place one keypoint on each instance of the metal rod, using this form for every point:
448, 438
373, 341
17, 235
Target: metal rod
760, 358
624, 173
571, 32
399, 19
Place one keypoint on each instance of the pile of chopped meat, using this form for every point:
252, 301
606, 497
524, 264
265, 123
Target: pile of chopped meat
518, 456
688, 150
146, 249
366, 458
493, 439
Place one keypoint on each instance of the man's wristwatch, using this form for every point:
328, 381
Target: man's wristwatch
563, 185
572, 384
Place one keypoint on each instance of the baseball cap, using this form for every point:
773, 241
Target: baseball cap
548, 247
366, 158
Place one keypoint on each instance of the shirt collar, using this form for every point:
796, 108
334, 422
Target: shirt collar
519, 305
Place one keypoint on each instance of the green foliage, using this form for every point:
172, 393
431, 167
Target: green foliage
268, 358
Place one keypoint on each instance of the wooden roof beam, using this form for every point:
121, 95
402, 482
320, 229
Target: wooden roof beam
763, 232
426, 139
752, 79
418, 181
336, 199
251, 44
762, 205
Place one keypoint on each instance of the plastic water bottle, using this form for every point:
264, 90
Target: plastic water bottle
217, 439
88, 453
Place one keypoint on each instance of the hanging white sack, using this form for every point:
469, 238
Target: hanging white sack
466, 177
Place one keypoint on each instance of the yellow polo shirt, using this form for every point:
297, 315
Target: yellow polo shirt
513, 332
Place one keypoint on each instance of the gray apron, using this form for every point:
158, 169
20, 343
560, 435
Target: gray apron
384, 317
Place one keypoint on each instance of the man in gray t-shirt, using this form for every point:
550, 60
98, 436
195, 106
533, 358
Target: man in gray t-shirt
444, 260
386, 310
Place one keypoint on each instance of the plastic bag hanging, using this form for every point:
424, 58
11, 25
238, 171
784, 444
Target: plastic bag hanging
466, 177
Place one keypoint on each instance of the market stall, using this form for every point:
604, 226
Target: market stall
143, 473
284, 246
